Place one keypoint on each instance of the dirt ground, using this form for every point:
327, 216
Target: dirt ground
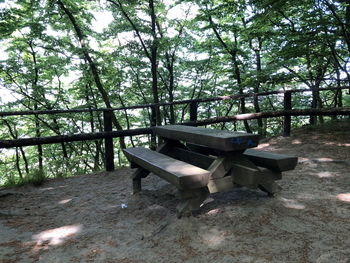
94, 218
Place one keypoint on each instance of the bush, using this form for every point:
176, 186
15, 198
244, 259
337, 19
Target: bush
37, 177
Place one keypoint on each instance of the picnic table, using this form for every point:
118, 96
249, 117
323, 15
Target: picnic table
201, 161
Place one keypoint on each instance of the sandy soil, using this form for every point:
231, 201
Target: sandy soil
94, 218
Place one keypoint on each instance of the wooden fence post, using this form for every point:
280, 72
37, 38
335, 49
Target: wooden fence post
109, 151
287, 119
153, 145
193, 111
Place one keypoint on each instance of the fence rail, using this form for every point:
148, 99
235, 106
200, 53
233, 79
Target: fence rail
108, 134
150, 105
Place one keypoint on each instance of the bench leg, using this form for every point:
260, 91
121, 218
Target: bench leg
191, 200
136, 179
136, 185
267, 181
270, 187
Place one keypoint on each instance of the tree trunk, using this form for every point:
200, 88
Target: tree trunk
25, 160
154, 62
18, 164
256, 88
36, 95
239, 83
237, 75
40, 148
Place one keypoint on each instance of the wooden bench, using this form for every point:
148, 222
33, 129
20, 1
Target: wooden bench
200, 161
182, 175
190, 180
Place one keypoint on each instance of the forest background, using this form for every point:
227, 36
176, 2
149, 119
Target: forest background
60, 54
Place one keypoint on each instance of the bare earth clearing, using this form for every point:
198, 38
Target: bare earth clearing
94, 218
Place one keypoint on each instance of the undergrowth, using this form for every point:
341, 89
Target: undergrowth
36, 177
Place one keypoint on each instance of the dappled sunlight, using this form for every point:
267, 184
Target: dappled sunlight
213, 211
263, 145
52, 188
291, 203
64, 201
319, 196
213, 237
47, 189
296, 141
326, 175
344, 197
320, 160
174, 167
337, 144
324, 160
54, 237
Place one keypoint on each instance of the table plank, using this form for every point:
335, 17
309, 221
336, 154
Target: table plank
216, 139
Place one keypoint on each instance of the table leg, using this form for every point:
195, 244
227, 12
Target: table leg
136, 179
269, 186
191, 200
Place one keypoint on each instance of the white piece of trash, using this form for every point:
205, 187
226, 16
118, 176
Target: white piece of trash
123, 205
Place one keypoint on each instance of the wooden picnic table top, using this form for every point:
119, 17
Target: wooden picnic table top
213, 138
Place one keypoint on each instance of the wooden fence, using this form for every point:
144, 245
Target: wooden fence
108, 134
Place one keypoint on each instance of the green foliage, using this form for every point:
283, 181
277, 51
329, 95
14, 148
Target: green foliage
201, 48
36, 177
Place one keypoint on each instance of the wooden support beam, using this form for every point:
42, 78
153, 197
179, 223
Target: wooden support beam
220, 166
221, 184
193, 111
287, 119
109, 150
244, 175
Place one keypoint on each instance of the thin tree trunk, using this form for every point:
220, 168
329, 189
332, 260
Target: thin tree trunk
25, 160
18, 164
92, 127
152, 55
127, 119
14, 135
237, 74
39, 148
36, 94
154, 62
239, 82
257, 86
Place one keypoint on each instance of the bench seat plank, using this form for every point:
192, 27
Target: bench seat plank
216, 139
179, 173
273, 161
